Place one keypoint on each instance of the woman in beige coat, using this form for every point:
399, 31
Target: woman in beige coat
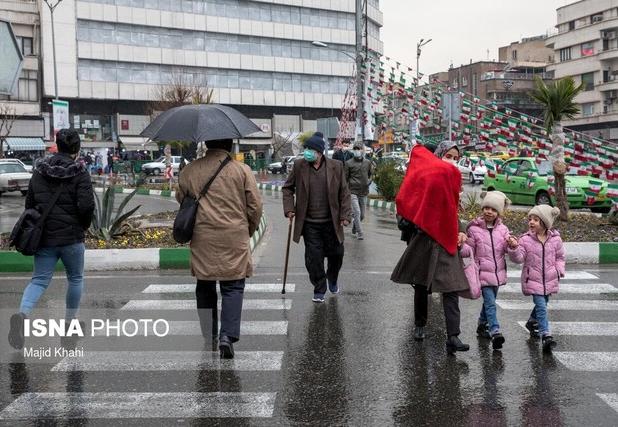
226, 219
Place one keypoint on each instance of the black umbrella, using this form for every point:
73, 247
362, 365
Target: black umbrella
196, 123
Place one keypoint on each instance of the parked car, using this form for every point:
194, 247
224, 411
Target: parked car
158, 166
27, 167
472, 168
281, 166
13, 177
526, 183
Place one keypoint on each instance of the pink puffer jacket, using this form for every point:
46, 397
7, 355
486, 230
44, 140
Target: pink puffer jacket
543, 263
490, 249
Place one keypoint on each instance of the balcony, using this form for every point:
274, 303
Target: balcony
500, 75
609, 85
608, 54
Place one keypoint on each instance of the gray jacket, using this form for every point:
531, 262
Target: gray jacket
358, 174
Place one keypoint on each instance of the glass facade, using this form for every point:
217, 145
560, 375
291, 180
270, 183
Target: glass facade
130, 72
136, 35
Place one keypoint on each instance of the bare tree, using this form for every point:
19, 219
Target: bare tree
8, 115
180, 91
283, 144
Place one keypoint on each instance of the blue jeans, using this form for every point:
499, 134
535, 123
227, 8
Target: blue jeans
232, 294
488, 311
539, 313
45, 260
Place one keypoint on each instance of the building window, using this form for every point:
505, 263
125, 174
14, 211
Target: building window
596, 18
25, 45
588, 109
27, 86
587, 49
514, 55
588, 81
464, 82
565, 54
571, 25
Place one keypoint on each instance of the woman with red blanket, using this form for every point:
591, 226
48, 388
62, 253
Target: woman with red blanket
429, 199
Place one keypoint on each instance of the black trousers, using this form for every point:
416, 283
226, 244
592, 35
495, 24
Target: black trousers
231, 307
321, 242
450, 304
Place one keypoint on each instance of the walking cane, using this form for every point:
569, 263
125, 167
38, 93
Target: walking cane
287, 256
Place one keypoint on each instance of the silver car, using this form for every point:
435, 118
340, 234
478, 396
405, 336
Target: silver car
13, 177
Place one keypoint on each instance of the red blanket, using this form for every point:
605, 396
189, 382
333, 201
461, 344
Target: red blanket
429, 197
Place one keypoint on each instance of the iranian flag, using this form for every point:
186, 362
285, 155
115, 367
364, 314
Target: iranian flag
590, 197
595, 186
491, 170
512, 125
612, 191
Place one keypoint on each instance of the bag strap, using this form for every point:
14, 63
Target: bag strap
51, 204
207, 186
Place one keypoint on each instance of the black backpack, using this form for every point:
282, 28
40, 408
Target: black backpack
27, 232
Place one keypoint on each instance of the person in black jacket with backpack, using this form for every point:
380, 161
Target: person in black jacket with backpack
64, 229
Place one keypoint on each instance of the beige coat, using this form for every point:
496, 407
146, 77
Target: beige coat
227, 217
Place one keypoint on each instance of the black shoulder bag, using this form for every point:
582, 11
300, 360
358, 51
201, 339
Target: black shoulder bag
27, 232
185, 218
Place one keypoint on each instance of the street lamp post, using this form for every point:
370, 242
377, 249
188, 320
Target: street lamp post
52, 6
419, 45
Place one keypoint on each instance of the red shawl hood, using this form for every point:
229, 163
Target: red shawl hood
429, 197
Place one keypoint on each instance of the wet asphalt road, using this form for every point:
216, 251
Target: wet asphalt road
350, 361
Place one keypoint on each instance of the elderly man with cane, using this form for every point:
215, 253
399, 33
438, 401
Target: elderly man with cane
316, 194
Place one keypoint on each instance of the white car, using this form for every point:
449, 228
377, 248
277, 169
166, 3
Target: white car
472, 169
158, 166
13, 177
27, 167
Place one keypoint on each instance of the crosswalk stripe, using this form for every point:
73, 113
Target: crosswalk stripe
190, 288
601, 329
171, 361
108, 405
569, 304
248, 304
191, 328
611, 399
568, 288
570, 275
589, 361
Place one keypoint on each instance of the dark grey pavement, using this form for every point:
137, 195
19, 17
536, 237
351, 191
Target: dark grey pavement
349, 361
12, 205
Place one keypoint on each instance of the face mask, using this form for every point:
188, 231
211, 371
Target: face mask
451, 161
358, 154
310, 155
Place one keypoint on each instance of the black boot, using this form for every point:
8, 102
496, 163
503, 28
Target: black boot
548, 344
16, 333
482, 331
533, 327
454, 344
226, 349
419, 333
497, 340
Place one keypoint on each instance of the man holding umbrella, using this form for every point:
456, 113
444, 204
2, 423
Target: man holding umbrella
322, 208
227, 216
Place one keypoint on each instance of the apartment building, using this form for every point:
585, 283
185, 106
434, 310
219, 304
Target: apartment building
586, 48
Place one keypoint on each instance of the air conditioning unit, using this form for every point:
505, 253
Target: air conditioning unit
597, 18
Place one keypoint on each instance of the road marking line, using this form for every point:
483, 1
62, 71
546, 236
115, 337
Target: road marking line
190, 288
601, 329
192, 328
248, 304
611, 399
570, 275
171, 361
568, 288
593, 305
108, 405
588, 361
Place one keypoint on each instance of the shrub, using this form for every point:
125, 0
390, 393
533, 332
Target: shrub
388, 179
105, 225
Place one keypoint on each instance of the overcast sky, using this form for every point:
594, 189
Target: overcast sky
460, 29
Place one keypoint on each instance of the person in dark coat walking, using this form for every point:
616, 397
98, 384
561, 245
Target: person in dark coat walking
316, 193
358, 172
428, 200
64, 229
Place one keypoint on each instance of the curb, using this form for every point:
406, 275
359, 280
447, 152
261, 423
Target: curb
372, 203
577, 252
121, 259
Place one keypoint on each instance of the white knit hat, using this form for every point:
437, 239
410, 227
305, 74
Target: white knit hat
547, 214
496, 200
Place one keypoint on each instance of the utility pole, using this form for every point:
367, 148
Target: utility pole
52, 6
360, 84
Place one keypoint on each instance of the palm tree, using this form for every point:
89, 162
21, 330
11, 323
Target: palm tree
557, 98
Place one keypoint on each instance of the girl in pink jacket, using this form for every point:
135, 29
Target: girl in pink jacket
542, 253
489, 239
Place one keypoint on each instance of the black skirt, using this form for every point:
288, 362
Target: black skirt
426, 263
